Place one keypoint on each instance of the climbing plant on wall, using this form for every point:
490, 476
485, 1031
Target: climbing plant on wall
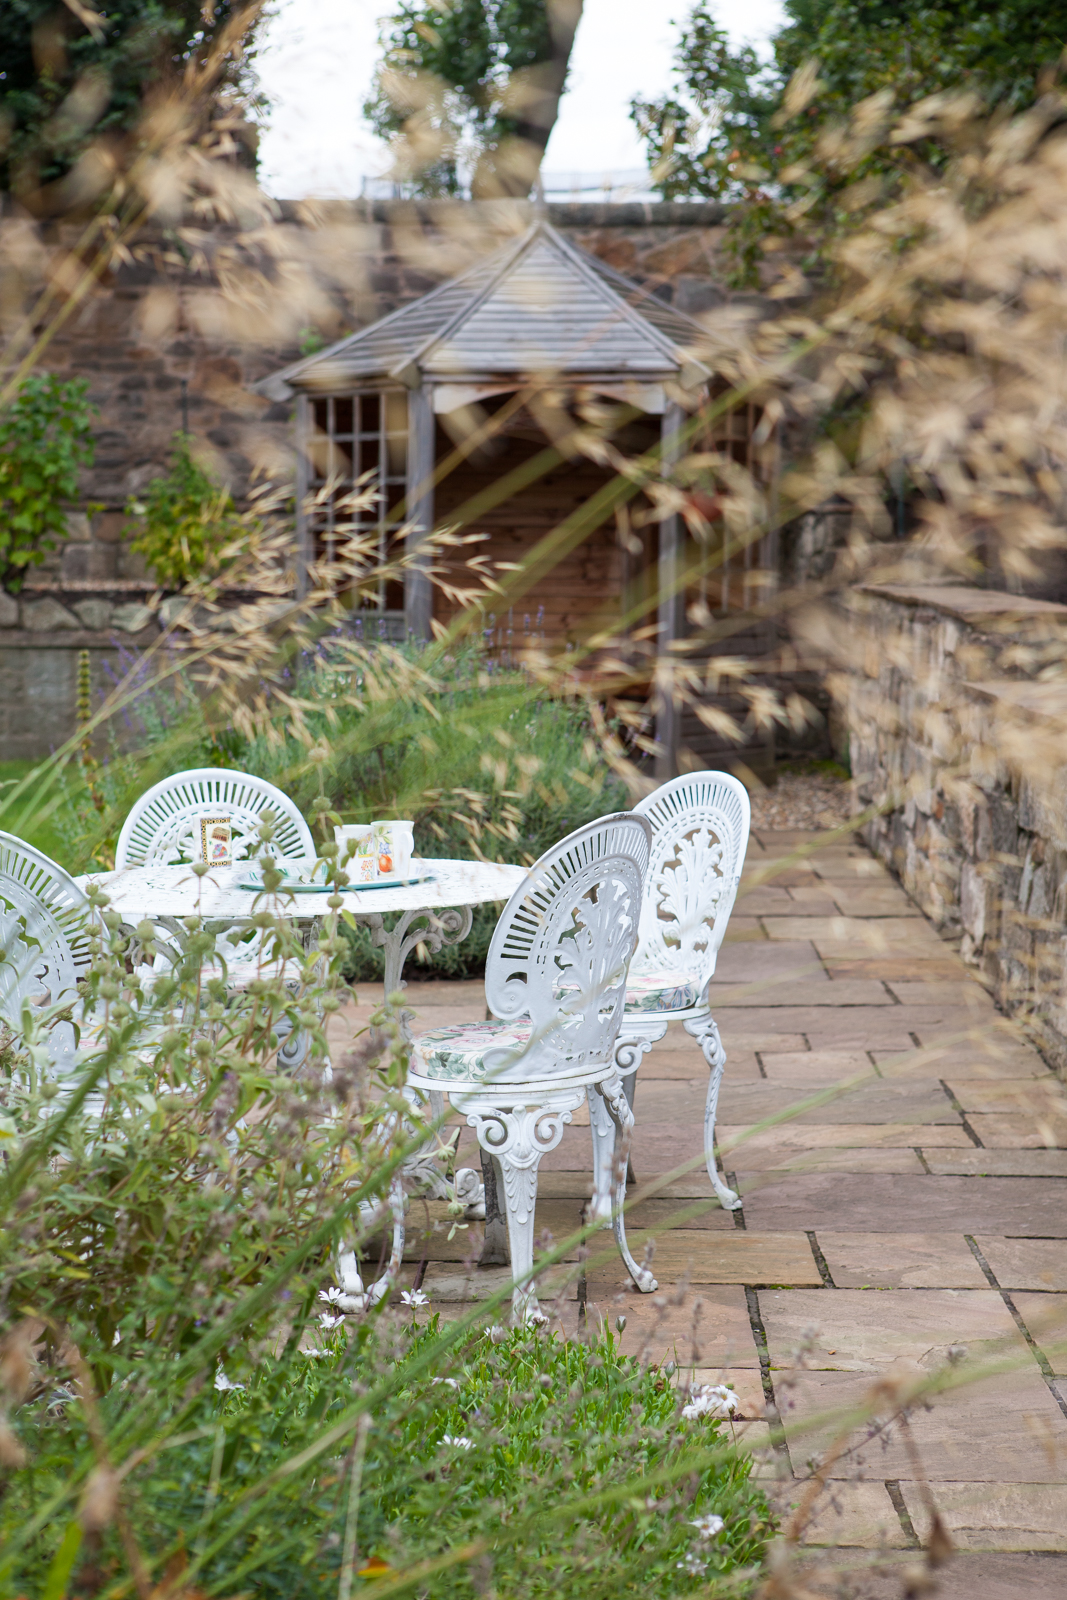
45, 440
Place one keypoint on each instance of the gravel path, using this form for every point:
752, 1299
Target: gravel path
802, 800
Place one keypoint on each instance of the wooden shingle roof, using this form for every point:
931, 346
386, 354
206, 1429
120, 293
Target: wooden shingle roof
538, 305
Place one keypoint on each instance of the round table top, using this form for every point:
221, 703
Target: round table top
163, 891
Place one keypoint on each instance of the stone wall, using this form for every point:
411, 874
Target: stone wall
181, 332
955, 701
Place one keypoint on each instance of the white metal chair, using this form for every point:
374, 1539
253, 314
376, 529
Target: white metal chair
44, 940
555, 983
163, 829
700, 825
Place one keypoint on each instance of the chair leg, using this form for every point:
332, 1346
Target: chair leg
517, 1139
705, 1032
602, 1129
610, 1092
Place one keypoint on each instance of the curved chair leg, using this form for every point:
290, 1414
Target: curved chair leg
611, 1092
628, 1054
398, 1206
517, 1139
706, 1033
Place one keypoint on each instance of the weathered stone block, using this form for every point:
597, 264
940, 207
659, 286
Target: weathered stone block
46, 616
94, 614
9, 610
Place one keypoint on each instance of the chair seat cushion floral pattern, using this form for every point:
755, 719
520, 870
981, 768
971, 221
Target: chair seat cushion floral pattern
461, 1052
658, 989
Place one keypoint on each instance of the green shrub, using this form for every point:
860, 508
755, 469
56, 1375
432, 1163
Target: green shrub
184, 522
45, 440
525, 1467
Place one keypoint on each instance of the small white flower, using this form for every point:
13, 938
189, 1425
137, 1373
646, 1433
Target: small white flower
693, 1564
331, 1296
498, 1334
329, 1321
452, 1384
708, 1526
223, 1384
710, 1400
413, 1297
458, 1441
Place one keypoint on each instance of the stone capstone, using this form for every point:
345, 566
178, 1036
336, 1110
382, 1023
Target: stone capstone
46, 616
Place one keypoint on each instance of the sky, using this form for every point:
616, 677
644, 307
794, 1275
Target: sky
317, 59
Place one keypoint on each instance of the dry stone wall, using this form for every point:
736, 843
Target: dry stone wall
955, 702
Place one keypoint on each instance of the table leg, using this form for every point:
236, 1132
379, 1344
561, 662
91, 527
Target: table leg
438, 929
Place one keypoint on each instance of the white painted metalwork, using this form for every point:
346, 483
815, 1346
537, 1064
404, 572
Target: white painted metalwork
700, 825
163, 825
556, 983
44, 942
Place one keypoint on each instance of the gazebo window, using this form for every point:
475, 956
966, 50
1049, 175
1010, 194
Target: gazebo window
738, 579
350, 436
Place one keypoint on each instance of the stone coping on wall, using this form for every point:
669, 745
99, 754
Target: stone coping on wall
972, 606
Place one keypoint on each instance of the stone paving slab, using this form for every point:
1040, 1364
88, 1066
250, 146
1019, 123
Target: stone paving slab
991, 1056
1025, 1207
963, 1437
1019, 1132
1045, 1316
845, 1574
739, 1146
1019, 1263
827, 1159
917, 1100
996, 1163
998, 1516
851, 1330
857, 1515
900, 1261
840, 937
734, 1257
1045, 1097
806, 988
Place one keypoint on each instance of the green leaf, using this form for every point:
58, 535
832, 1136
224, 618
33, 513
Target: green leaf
55, 1584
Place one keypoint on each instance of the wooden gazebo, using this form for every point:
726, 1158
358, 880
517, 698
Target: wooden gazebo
537, 328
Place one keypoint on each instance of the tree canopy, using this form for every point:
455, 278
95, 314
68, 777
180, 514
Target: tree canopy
70, 74
472, 87
738, 128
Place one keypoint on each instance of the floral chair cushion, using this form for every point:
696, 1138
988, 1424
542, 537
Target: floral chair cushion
658, 989
461, 1052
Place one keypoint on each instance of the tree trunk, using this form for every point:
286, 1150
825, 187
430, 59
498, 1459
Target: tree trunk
531, 104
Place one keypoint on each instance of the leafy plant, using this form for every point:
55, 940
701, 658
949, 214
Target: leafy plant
67, 80
185, 521
45, 440
765, 135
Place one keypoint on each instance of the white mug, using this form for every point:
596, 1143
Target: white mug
396, 843
359, 851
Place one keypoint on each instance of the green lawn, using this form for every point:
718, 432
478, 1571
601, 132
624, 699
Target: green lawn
21, 816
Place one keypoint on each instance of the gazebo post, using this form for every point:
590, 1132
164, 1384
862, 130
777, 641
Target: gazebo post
418, 595
671, 610
304, 551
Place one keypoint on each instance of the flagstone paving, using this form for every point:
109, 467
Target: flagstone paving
905, 1226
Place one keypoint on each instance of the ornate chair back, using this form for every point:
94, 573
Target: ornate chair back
163, 826
700, 825
562, 947
44, 940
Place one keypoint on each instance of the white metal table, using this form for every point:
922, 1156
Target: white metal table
437, 912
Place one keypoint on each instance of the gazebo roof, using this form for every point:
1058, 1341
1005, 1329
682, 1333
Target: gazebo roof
540, 304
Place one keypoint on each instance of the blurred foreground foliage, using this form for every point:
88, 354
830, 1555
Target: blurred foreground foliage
487, 765
766, 134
